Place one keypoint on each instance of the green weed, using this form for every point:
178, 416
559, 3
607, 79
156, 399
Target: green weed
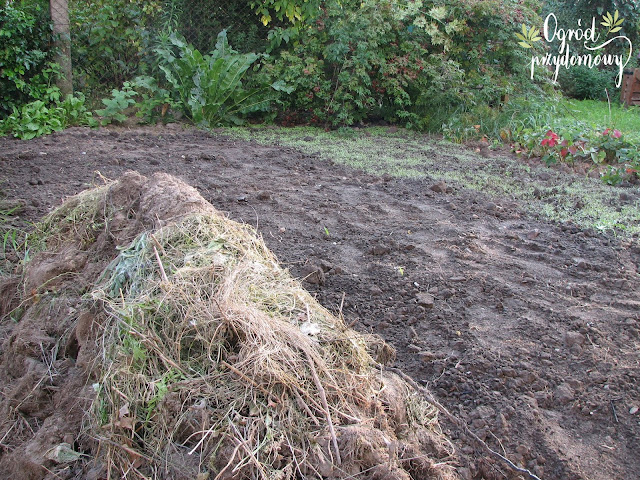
41, 118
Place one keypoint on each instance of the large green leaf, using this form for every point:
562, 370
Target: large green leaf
209, 86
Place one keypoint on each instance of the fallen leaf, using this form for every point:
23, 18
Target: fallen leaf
125, 422
63, 453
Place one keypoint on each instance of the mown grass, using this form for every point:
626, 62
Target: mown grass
555, 196
596, 113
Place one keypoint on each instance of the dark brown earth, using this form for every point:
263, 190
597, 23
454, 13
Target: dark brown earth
527, 331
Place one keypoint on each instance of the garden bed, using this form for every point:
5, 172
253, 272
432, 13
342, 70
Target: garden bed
522, 319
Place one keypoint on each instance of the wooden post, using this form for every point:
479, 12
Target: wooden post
62, 42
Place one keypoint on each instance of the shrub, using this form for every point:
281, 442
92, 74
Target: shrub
111, 41
415, 62
142, 95
584, 83
358, 63
25, 71
115, 106
494, 63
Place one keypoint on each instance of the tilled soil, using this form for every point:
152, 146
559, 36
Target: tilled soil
527, 331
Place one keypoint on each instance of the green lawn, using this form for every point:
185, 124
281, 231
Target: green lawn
597, 114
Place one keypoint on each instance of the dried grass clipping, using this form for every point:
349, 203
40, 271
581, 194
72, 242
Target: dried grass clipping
213, 362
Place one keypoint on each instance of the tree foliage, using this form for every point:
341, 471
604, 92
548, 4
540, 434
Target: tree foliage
569, 13
111, 39
383, 59
25, 71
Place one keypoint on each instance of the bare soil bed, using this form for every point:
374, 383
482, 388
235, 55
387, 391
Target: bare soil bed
528, 331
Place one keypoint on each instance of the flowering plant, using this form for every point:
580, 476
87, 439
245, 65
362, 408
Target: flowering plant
615, 157
613, 133
551, 139
612, 144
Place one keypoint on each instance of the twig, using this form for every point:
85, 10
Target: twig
243, 442
50, 472
456, 421
8, 432
154, 345
162, 272
157, 243
325, 404
126, 448
340, 315
205, 435
305, 407
613, 410
233, 455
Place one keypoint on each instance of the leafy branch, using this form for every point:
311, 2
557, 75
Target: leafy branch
612, 22
528, 36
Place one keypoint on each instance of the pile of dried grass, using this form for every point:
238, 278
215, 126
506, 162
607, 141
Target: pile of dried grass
210, 361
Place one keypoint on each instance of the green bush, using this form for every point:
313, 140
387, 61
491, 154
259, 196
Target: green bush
359, 63
142, 95
584, 83
115, 106
415, 63
25, 71
487, 50
111, 41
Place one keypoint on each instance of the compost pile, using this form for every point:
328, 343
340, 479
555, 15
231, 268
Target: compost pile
151, 337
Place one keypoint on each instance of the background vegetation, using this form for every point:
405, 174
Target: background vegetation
447, 66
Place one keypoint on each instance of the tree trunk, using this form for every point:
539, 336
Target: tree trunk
62, 41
